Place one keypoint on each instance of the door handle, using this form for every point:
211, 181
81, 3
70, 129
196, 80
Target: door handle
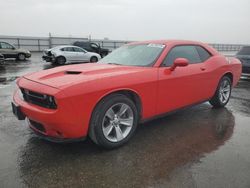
203, 68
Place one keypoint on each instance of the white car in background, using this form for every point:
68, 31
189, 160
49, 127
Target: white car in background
69, 54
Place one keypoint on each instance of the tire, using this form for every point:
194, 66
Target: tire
103, 55
107, 129
93, 59
60, 60
223, 93
21, 57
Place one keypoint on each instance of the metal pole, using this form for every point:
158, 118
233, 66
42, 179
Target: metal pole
50, 41
39, 48
18, 42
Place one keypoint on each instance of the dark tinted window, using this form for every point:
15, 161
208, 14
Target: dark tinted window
204, 54
82, 44
188, 52
93, 45
244, 51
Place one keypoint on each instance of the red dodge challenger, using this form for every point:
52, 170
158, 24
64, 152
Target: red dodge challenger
136, 82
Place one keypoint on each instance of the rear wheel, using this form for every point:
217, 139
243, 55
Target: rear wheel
223, 93
93, 59
114, 121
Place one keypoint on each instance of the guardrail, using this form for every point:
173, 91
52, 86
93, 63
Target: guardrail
42, 43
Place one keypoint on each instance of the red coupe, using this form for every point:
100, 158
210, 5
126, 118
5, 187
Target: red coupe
136, 82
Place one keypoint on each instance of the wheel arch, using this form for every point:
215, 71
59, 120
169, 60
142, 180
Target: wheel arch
93, 56
230, 75
131, 94
61, 56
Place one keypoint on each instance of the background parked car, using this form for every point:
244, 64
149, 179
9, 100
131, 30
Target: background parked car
69, 54
10, 51
92, 47
244, 56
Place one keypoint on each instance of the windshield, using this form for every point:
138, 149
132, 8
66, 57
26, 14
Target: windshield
244, 51
134, 55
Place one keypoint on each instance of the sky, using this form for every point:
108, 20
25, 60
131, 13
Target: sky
213, 21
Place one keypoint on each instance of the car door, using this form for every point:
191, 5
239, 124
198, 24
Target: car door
184, 85
81, 55
7, 50
70, 54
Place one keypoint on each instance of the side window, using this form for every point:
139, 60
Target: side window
78, 50
188, 52
204, 54
68, 49
6, 45
93, 45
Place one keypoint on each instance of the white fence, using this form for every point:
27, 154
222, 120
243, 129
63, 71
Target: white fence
41, 43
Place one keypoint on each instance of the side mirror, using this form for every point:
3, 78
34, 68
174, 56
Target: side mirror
13, 48
179, 62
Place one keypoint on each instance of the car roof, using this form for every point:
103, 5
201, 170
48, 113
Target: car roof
166, 42
65, 46
177, 42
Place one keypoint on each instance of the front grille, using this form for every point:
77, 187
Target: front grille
245, 69
39, 99
37, 125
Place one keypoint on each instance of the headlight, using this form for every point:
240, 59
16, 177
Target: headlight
52, 102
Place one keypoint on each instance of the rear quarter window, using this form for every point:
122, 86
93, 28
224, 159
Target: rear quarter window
203, 53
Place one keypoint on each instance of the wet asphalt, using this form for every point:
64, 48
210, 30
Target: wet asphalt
196, 147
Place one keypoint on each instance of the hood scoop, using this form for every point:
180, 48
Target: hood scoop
73, 72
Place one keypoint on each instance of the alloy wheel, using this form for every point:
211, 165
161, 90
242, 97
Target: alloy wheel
117, 122
21, 57
224, 92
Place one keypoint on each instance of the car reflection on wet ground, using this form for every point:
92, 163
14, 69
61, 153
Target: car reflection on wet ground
196, 147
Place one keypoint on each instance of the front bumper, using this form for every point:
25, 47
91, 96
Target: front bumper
56, 139
28, 55
56, 125
48, 58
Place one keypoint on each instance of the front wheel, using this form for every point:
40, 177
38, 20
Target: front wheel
114, 121
223, 93
93, 59
21, 57
60, 60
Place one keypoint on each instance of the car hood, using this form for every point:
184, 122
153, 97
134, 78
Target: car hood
65, 76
